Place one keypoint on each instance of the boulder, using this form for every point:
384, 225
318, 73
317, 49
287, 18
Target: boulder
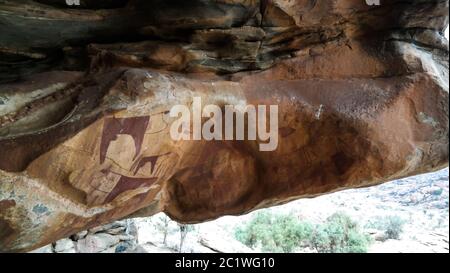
64, 246
45, 249
95, 243
115, 227
80, 235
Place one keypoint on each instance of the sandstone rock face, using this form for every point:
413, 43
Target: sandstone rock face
85, 96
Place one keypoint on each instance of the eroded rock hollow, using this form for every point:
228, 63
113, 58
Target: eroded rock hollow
86, 93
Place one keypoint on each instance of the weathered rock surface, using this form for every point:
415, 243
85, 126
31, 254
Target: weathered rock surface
86, 92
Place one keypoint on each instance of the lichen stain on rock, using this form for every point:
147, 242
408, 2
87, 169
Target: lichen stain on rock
40, 209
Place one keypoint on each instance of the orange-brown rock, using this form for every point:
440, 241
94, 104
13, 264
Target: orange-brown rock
86, 91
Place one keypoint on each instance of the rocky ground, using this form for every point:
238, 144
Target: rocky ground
120, 236
422, 202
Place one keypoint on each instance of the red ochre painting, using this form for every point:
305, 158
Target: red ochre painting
136, 128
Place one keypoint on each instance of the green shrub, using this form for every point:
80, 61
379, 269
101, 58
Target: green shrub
339, 234
394, 227
437, 192
391, 225
285, 233
274, 233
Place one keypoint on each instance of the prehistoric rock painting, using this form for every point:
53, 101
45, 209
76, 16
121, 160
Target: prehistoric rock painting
147, 159
133, 175
134, 126
126, 183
